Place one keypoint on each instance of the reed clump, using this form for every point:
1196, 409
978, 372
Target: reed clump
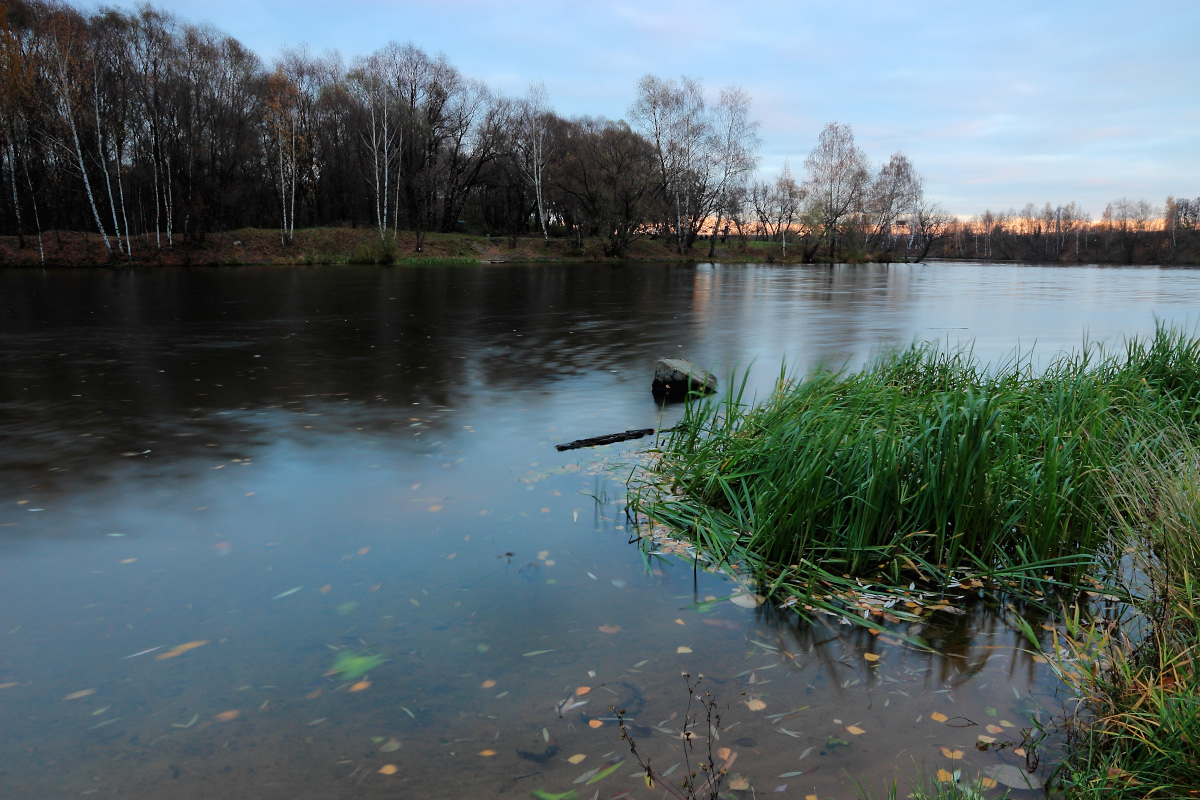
924, 464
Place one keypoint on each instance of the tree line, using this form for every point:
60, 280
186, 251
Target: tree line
1128, 231
153, 132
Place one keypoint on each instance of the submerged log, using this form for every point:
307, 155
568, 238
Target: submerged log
675, 379
611, 438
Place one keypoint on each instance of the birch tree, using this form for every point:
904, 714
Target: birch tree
734, 147
533, 145
837, 177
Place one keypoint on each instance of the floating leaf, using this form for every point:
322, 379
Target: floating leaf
747, 600
938, 716
351, 666
739, 783
582, 690
756, 705
724, 753
594, 723
1006, 724
487, 753
388, 769
360, 686
1013, 777
610, 628
288, 593
577, 758
986, 739
1019, 751
314, 694
954, 755
682, 649
79, 694
871, 656
994, 729
945, 777
489, 683
180, 649
854, 729
604, 773
390, 746
228, 716
536, 653
433, 509
988, 783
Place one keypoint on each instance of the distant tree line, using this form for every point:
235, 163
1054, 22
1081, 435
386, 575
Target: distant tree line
153, 132
1128, 231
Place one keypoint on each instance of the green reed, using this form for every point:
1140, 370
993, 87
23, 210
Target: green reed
924, 462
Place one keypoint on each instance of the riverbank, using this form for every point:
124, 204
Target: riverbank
925, 483
329, 246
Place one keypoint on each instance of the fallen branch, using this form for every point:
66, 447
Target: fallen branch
611, 438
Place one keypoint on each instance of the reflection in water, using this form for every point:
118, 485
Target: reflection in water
254, 470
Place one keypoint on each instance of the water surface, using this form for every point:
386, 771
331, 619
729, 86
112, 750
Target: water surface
285, 464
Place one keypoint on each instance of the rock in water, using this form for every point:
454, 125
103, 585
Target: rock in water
675, 378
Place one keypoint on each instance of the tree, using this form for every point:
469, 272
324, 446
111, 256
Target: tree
734, 147
837, 178
532, 125
896, 190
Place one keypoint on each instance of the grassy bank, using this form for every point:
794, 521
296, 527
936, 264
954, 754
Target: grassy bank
255, 246
925, 473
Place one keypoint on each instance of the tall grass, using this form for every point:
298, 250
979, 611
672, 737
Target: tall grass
1136, 733
924, 462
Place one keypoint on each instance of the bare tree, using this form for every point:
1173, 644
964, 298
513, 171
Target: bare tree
837, 178
734, 147
533, 145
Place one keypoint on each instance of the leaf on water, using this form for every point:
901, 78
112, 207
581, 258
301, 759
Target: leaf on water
390, 746
195, 718
582, 690
1039, 659
364, 551
487, 753
871, 656
945, 777
988, 783
406, 711
180, 649
433, 509
128, 560
938, 716
747, 600
360, 686
724, 753
855, 730
326, 588
806, 753
351, 666
682, 649
545, 735
314, 694
610, 628
577, 758
756, 705
388, 769
1019, 751
594, 723
1013, 777
604, 773
1006, 724
79, 694
679, 622
791, 774
953, 755
739, 783
489, 683
228, 716
986, 739
994, 729
586, 775
536, 653
289, 592
991, 712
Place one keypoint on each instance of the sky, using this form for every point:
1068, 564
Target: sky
996, 104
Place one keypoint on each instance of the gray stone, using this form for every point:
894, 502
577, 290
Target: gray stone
675, 378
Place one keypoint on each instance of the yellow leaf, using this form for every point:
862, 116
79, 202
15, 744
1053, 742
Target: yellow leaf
994, 729
180, 649
739, 783
360, 686
938, 716
79, 694
575, 759
580, 691
595, 723
1005, 723
228, 716
682, 649
489, 683
1019, 751
810, 797
325, 589
610, 628
128, 560
855, 729
986, 739
871, 656
487, 753
388, 769
945, 777
756, 705
1039, 659
954, 755
987, 783
723, 753
680, 622
364, 551
434, 509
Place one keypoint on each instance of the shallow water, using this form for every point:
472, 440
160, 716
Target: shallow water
287, 463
